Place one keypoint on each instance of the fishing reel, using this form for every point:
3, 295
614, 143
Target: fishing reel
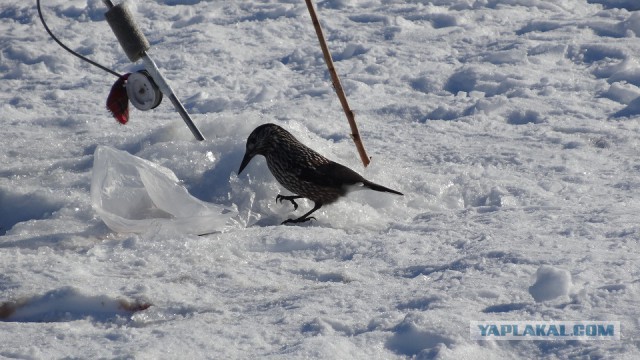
144, 94
142, 88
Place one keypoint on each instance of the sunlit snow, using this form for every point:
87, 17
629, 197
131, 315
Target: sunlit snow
511, 126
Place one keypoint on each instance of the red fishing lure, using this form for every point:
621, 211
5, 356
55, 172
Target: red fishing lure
118, 100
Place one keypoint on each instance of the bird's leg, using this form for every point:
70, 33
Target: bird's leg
290, 198
306, 216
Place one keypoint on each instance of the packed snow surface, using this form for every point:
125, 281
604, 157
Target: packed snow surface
511, 127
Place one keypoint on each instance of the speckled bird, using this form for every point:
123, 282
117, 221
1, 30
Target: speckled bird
303, 171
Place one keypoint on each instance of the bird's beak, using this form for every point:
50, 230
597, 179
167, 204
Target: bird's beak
245, 161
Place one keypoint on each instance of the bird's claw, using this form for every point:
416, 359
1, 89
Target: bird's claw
280, 198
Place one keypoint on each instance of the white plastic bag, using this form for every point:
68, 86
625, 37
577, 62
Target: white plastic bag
131, 194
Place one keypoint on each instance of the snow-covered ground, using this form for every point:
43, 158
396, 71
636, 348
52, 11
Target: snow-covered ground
511, 126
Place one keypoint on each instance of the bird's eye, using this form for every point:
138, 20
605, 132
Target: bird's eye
251, 143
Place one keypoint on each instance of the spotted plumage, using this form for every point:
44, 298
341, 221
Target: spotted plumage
301, 170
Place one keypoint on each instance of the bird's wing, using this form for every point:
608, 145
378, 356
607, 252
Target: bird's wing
331, 174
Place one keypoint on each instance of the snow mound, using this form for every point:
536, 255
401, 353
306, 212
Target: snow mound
16, 207
68, 304
551, 283
630, 5
131, 194
415, 336
632, 109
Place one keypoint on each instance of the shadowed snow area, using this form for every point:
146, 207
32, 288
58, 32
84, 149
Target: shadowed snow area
510, 126
16, 208
66, 304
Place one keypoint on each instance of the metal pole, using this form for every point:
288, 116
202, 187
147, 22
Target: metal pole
166, 89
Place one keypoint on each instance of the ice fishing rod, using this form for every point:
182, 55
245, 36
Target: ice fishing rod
143, 88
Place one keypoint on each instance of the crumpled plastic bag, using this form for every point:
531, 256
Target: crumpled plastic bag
134, 195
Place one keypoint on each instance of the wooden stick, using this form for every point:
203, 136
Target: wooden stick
355, 135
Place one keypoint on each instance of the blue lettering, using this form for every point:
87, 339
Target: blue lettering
608, 331
483, 329
493, 330
528, 330
549, 329
505, 329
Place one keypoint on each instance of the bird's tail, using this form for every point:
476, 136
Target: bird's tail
376, 187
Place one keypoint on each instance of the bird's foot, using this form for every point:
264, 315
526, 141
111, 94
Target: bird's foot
298, 220
280, 198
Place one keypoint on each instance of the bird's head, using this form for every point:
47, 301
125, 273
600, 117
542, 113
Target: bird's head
259, 142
